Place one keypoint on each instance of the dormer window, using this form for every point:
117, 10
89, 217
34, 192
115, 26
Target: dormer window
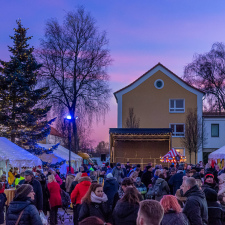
177, 106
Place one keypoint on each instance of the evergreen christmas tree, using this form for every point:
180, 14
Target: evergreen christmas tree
21, 119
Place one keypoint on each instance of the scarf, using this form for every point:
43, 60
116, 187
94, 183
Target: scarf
96, 199
120, 192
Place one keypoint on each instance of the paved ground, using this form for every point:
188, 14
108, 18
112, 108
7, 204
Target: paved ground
61, 213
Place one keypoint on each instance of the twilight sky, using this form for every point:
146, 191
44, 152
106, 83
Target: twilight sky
141, 34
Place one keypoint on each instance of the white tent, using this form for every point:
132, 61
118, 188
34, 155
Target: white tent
218, 154
62, 152
15, 156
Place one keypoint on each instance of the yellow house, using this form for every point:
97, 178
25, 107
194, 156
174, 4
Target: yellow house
159, 99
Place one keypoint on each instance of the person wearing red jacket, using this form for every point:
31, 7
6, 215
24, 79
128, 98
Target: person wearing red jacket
55, 198
78, 193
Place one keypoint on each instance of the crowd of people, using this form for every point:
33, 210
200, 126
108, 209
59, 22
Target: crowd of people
123, 195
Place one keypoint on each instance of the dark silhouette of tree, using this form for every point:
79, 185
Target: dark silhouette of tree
207, 72
102, 148
75, 58
22, 117
132, 121
193, 139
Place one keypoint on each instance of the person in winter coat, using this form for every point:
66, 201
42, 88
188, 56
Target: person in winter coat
140, 187
94, 203
75, 182
126, 210
69, 180
156, 176
161, 188
78, 193
210, 182
58, 179
93, 220
215, 211
172, 212
55, 198
42, 179
29, 179
147, 176
195, 207
3, 180
118, 173
176, 180
110, 188
3, 200
23, 204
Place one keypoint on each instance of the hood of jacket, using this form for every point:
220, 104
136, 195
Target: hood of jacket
84, 179
111, 180
195, 192
18, 206
159, 180
124, 209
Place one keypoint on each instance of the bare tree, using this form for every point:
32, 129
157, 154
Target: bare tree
102, 148
193, 138
132, 121
207, 72
75, 58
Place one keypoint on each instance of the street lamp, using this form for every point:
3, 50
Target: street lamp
70, 120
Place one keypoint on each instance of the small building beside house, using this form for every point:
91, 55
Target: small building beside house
213, 131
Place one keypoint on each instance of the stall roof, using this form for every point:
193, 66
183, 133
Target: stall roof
218, 154
62, 152
17, 156
139, 131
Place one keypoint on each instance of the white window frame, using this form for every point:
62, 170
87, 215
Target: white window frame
175, 105
178, 132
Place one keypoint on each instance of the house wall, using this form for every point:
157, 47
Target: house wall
151, 105
213, 142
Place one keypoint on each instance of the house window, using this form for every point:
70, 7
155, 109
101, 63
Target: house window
177, 129
159, 84
177, 105
214, 130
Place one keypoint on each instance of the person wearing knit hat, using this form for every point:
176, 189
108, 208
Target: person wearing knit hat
118, 173
215, 212
210, 182
22, 205
29, 179
109, 175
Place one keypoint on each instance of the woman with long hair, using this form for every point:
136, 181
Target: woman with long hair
75, 182
172, 211
126, 210
55, 200
94, 203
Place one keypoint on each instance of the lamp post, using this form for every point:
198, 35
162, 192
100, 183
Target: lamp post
70, 120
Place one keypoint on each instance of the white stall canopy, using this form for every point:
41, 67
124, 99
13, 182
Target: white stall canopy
17, 156
218, 154
62, 152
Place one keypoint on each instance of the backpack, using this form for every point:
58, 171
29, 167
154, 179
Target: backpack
65, 199
150, 194
158, 189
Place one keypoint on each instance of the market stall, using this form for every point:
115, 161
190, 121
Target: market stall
63, 153
217, 157
11, 156
173, 156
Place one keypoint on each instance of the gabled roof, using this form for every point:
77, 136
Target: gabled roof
54, 132
157, 65
213, 114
